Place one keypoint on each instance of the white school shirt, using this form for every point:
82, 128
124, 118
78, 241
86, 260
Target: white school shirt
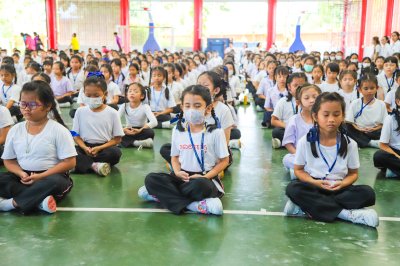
5, 117
389, 133
120, 82
214, 149
391, 99
284, 110
62, 86
317, 168
396, 47
137, 117
128, 80
9, 93
273, 96
377, 50
309, 77
259, 76
112, 90
372, 115
159, 102
77, 79
234, 83
264, 86
223, 114
176, 89
325, 87
97, 127
385, 83
46, 149
295, 129
145, 76
386, 50
348, 98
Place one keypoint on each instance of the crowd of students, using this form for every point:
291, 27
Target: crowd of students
321, 109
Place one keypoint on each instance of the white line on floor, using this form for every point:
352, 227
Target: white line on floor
261, 212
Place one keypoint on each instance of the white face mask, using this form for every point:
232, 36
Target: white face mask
93, 103
354, 60
193, 116
338, 57
366, 65
282, 61
230, 73
332, 58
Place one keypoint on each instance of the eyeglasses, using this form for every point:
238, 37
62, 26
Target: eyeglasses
30, 105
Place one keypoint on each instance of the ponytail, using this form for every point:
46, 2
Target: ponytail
179, 125
211, 127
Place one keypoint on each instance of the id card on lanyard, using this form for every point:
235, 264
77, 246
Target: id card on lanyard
362, 107
330, 166
5, 92
390, 84
156, 101
200, 159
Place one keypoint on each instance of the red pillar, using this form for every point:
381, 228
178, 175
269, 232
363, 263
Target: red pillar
389, 17
344, 26
198, 24
271, 23
362, 29
51, 21
124, 22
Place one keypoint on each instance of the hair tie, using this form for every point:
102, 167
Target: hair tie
96, 74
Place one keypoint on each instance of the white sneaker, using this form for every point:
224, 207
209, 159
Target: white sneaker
374, 144
167, 125
276, 143
48, 205
259, 109
235, 144
147, 143
102, 169
390, 174
207, 206
292, 175
364, 216
64, 105
144, 194
292, 209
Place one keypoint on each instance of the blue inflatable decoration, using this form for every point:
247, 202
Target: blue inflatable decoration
297, 44
151, 43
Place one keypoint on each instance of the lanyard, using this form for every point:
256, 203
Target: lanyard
75, 77
5, 92
117, 81
362, 107
157, 101
330, 167
294, 108
390, 85
200, 161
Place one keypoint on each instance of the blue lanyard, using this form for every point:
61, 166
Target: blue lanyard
75, 77
330, 167
294, 109
200, 161
117, 81
5, 92
390, 85
362, 107
157, 101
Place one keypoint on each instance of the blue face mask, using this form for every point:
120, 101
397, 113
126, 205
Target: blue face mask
308, 68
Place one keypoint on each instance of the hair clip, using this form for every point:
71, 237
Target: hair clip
96, 74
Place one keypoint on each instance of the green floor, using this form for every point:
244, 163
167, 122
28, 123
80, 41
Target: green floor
255, 181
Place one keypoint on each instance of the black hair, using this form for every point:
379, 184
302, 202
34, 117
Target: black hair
74, 57
91, 68
60, 65
35, 66
233, 66
204, 93
109, 69
333, 67
42, 75
48, 63
347, 72
165, 74
63, 56
10, 69
96, 81
45, 94
179, 68
392, 59
136, 66
368, 77
7, 60
217, 83
281, 70
144, 91
396, 110
117, 62
172, 66
344, 139
291, 77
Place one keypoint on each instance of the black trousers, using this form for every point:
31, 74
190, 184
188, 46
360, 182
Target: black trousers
127, 140
235, 133
66, 99
260, 102
267, 117
161, 119
28, 197
1, 153
362, 138
15, 111
278, 133
384, 160
72, 113
176, 109
175, 194
84, 162
324, 205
